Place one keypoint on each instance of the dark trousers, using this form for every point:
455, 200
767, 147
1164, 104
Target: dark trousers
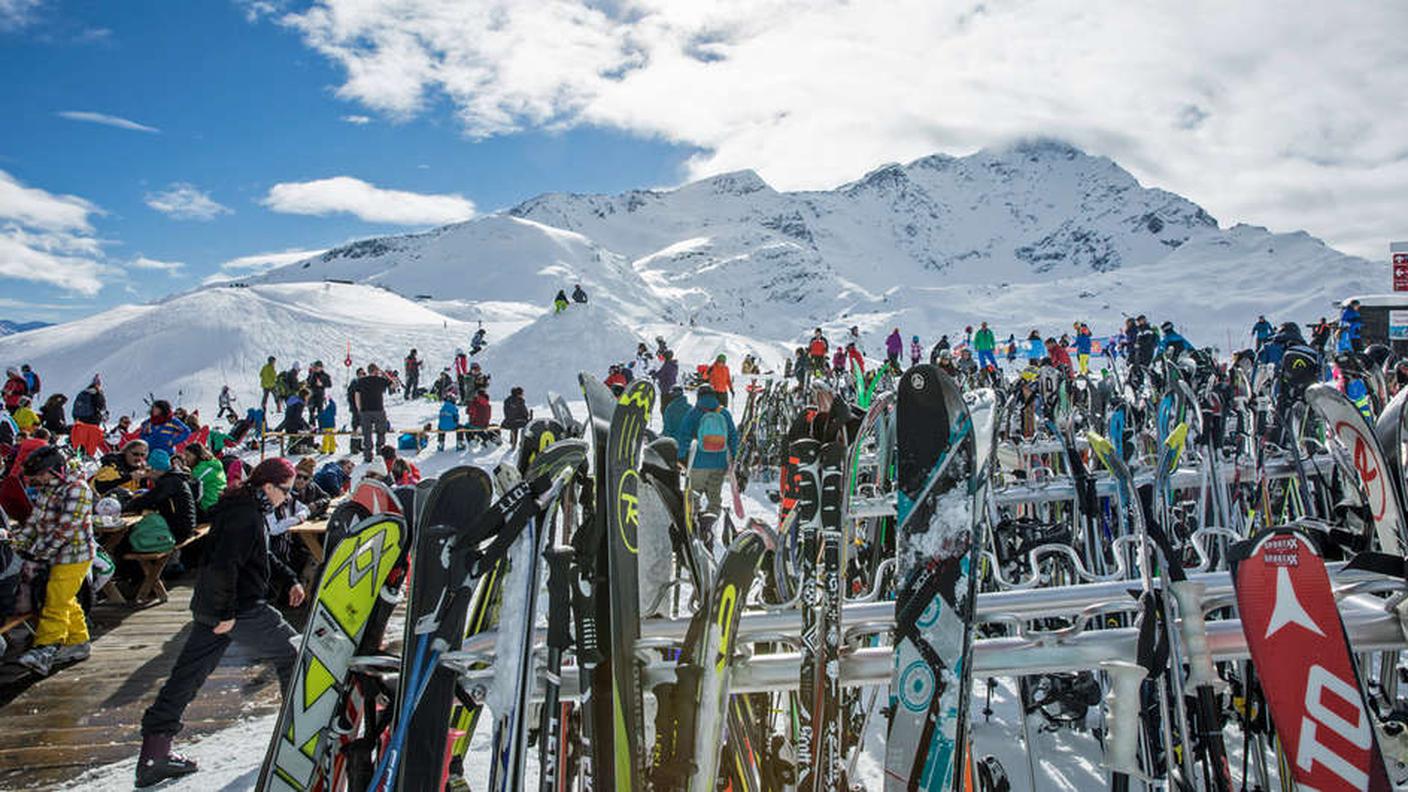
260, 629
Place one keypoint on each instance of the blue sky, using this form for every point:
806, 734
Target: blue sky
140, 135
240, 106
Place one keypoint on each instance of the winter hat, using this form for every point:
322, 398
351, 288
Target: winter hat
306, 465
97, 380
159, 460
12, 371
44, 460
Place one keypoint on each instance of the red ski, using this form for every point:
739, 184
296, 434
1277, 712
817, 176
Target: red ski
1302, 656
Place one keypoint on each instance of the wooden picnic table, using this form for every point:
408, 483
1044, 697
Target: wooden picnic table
312, 533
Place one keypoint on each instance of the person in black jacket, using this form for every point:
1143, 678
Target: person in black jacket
295, 424
170, 496
318, 383
516, 415
52, 414
229, 603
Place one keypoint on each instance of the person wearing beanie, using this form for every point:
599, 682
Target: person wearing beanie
229, 603
59, 532
170, 495
162, 430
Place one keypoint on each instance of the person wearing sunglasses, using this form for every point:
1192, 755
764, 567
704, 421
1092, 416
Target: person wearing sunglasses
124, 472
229, 603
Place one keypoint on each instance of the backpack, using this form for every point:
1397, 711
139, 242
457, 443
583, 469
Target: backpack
151, 535
712, 433
83, 407
1300, 367
817, 347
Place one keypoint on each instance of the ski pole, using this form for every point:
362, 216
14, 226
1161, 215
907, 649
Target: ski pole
1122, 730
559, 562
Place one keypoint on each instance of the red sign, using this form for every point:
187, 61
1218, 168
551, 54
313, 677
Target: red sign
1298, 644
1400, 271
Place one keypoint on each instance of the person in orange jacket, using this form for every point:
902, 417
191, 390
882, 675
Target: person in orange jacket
721, 380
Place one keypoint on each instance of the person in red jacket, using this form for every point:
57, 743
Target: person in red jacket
1060, 358
399, 470
15, 388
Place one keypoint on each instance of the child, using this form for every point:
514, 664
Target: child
449, 422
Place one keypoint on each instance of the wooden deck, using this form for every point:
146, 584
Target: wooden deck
89, 714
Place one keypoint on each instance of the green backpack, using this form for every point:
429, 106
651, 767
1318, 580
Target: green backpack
151, 534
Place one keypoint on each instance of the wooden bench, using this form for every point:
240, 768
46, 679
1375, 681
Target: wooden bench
153, 564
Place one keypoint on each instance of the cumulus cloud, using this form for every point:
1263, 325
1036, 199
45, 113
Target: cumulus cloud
89, 117
1254, 109
48, 238
169, 267
367, 202
183, 201
256, 263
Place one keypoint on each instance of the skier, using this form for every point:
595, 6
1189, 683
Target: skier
616, 379
1036, 349
800, 367
516, 414
327, 424
966, 365
1011, 347
226, 403
708, 441
559, 303
162, 430
368, 395
854, 356
579, 295
1351, 322
477, 343
894, 346
52, 414
58, 533
1320, 334
228, 603
462, 376
984, 343
1060, 358
355, 442
449, 421
268, 380
412, 375
750, 366
1083, 346
720, 380
1173, 343
1261, 332
90, 410
295, 425
838, 361
817, 350
916, 351
31, 380
15, 388
665, 378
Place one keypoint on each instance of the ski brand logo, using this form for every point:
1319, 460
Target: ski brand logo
1366, 465
627, 508
1297, 642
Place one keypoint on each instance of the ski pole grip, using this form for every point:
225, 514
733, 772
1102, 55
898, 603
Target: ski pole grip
1189, 594
559, 561
1122, 703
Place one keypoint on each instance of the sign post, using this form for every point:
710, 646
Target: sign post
1398, 252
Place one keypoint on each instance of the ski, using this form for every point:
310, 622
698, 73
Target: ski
1346, 427
807, 453
1302, 656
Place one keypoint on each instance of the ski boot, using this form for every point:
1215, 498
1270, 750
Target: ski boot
158, 764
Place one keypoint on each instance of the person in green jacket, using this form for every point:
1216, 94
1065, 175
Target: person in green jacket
210, 473
268, 379
984, 342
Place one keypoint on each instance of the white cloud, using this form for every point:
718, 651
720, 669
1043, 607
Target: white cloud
105, 119
48, 238
182, 201
169, 267
15, 14
357, 120
367, 201
256, 263
1282, 114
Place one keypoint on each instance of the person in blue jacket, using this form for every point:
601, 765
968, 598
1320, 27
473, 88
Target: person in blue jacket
1170, 341
708, 441
1036, 348
1351, 322
327, 424
162, 430
1261, 332
449, 422
335, 477
675, 411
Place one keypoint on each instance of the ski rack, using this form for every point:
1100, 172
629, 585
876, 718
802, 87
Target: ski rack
1369, 621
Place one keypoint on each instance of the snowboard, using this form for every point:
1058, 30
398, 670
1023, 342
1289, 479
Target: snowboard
1346, 427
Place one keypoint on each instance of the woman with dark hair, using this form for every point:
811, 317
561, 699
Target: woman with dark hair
229, 603
52, 414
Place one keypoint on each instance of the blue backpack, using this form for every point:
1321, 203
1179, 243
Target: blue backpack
712, 434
